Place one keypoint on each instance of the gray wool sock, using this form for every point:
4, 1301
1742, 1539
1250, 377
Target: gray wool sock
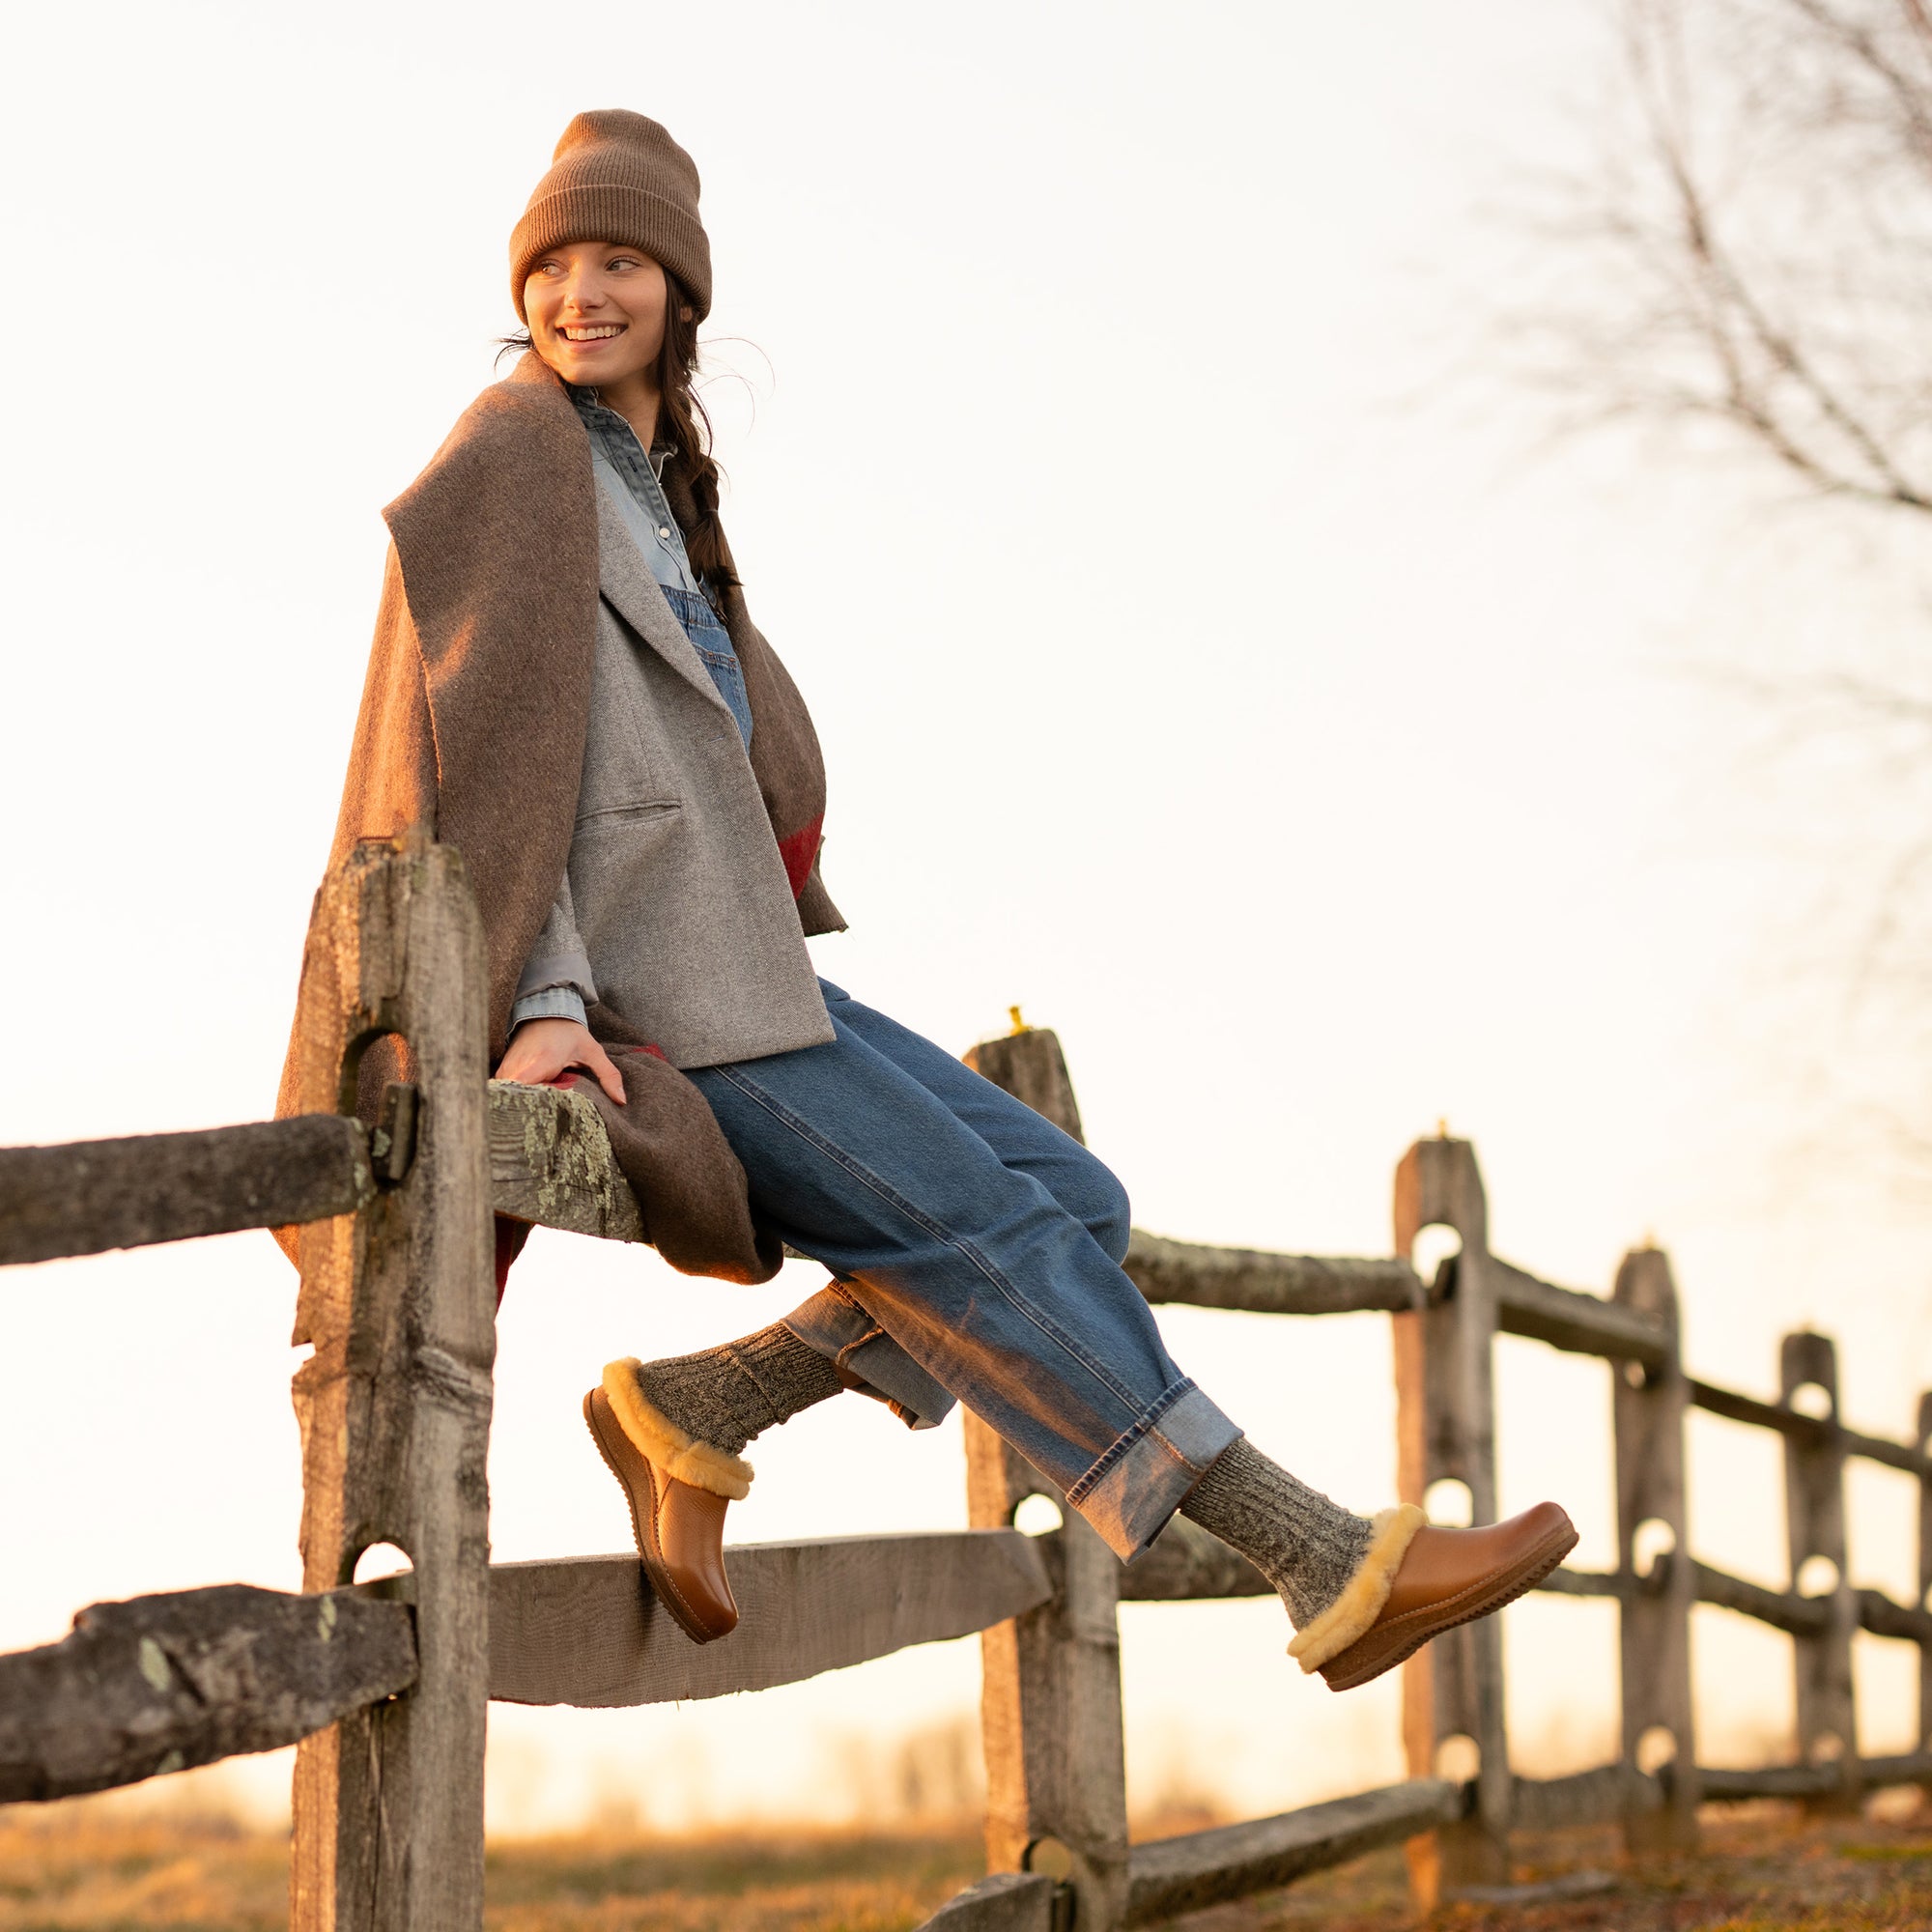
1306, 1546
725, 1396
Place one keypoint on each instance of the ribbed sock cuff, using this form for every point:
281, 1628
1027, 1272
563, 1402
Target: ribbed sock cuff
789, 1375
1327, 1561
725, 1396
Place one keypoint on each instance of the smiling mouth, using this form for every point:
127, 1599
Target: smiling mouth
603, 332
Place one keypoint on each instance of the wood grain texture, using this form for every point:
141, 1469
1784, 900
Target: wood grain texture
1817, 1781
551, 1162
1566, 1582
394, 1405
1581, 1324
86, 1197
1809, 1430
1648, 1402
1779, 1781
1266, 1283
1610, 1793
1176, 1875
1050, 1709
1814, 1502
1613, 1793
587, 1631
1445, 1427
1878, 1614
1029, 1065
1913, 1768
157, 1684
1005, 1902
1616, 1791
1784, 1610
1188, 1564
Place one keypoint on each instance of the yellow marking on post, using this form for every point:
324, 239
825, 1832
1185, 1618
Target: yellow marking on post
325, 1620
153, 1660
1019, 1025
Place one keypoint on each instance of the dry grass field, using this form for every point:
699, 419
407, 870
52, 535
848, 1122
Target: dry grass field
82, 1869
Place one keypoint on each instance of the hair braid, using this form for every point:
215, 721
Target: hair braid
690, 426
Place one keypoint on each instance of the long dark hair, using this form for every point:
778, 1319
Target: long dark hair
684, 418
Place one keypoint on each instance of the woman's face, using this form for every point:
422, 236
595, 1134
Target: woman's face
596, 312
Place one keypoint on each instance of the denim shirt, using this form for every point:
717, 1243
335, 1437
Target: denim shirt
632, 481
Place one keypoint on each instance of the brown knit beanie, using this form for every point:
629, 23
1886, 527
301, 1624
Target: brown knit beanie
617, 177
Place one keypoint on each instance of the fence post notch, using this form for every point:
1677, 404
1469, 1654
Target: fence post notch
397, 1300
1445, 1427
1654, 1615
1056, 1760
1814, 1501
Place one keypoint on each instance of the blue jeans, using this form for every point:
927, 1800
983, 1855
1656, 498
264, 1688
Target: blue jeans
976, 1251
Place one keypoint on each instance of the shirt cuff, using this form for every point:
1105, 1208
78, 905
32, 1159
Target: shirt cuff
557, 969
549, 1002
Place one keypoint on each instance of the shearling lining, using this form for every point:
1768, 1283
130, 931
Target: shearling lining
676, 1451
1361, 1603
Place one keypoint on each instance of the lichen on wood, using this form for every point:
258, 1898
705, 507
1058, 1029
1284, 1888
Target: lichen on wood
157, 1684
551, 1162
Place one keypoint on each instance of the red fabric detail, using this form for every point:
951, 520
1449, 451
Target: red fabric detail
798, 851
651, 1047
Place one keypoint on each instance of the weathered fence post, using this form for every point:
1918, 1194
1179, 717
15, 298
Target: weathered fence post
394, 1403
1653, 1614
1056, 1763
1921, 1441
1445, 1427
1814, 1501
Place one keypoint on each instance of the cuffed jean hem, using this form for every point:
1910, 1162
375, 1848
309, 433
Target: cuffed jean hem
859, 1349
1132, 1491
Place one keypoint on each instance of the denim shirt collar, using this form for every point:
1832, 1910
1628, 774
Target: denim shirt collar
636, 484
614, 436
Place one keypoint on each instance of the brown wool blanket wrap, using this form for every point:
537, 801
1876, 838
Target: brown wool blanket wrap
473, 725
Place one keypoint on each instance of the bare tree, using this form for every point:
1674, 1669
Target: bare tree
1746, 264
1758, 234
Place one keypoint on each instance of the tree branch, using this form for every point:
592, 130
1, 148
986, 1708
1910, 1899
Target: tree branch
1725, 305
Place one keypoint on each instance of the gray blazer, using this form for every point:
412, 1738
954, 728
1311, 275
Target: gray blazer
674, 911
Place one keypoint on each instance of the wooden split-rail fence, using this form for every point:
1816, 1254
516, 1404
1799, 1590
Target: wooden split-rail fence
383, 1685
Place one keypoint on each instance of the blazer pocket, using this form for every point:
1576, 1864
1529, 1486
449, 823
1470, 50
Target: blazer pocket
627, 815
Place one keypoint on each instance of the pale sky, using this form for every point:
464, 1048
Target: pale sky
1202, 659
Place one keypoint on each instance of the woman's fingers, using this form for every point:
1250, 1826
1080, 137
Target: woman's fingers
599, 1064
540, 1050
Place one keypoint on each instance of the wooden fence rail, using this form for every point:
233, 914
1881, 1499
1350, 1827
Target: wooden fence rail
382, 1685
159, 1684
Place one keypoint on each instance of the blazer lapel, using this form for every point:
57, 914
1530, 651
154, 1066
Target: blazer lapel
625, 581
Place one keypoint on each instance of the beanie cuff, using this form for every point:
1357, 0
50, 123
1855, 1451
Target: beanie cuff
614, 212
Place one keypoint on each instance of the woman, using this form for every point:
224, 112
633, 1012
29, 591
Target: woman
567, 686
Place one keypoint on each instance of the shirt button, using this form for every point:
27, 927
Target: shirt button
664, 530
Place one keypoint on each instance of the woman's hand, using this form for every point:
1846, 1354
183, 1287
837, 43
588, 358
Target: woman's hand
542, 1050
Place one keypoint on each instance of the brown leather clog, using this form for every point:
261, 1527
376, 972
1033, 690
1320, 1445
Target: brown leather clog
679, 1528
1450, 1576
